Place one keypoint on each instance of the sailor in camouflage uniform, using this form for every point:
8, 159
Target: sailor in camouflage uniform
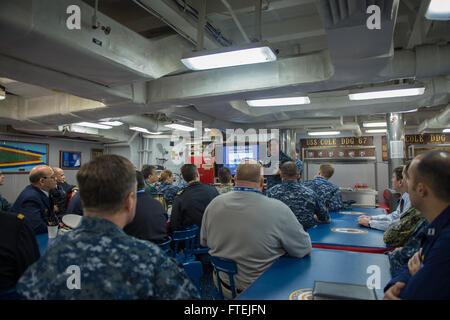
327, 192
166, 187
110, 264
224, 176
303, 202
400, 256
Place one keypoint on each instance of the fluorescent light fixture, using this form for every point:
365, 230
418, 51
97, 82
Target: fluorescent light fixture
438, 10
179, 127
408, 111
112, 123
2, 93
387, 94
376, 131
93, 125
374, 124
237, 57
323, 133
139, 129
446, 130
162, 136
288, 101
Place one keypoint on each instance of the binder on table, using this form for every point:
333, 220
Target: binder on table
324, 290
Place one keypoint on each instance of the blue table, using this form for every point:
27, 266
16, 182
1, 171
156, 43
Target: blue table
344, 233
293, 278
43, 242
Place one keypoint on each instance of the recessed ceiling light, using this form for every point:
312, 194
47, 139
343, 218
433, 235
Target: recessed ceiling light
179, 127
287, 101
438, 10
395, 93
112, 123
93, 125
229, 58
374, 124
376, 131
323, 133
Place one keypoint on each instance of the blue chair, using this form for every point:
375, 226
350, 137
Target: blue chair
188, 237
227, 266
197, 248
194, 271
165, 246
10, 295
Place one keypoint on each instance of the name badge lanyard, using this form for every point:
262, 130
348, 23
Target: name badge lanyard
247, 189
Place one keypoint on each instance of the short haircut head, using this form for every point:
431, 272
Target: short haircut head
140, 180
224, 175
37, 173
327, 170
164, 175
105, 182
289, 170
189, 172
398, 173
249, 170
147, 170
433, 170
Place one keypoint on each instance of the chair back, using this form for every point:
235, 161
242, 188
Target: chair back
188, 237
197, 249
194, 271
227, 266
165, 246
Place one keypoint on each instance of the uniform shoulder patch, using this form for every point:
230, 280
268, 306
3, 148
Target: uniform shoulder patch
20, 216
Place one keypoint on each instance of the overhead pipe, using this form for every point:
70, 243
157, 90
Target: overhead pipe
236, 21
442, 120
258, 13
201, 25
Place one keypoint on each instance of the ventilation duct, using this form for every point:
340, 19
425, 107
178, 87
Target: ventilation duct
442, 120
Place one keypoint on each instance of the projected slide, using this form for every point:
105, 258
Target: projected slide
234, 155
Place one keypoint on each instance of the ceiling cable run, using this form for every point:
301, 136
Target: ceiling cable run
186, 8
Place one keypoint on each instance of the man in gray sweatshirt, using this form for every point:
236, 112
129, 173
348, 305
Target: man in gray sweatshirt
250, 228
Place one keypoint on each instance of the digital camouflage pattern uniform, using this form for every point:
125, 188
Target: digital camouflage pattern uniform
299, 164
401, 257
275, 179
303, 202
398, 236
112, 265
169, 192
225, 187
327, 192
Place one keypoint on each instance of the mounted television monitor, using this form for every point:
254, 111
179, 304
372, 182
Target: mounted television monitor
233, 155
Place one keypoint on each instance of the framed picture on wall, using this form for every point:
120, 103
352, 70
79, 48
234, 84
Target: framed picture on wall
69, 160
21, 157
96, 153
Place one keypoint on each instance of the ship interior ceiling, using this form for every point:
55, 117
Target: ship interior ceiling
124, 63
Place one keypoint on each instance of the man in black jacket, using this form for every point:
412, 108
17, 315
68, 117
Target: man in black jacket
150, 220
18, 249
191, 201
